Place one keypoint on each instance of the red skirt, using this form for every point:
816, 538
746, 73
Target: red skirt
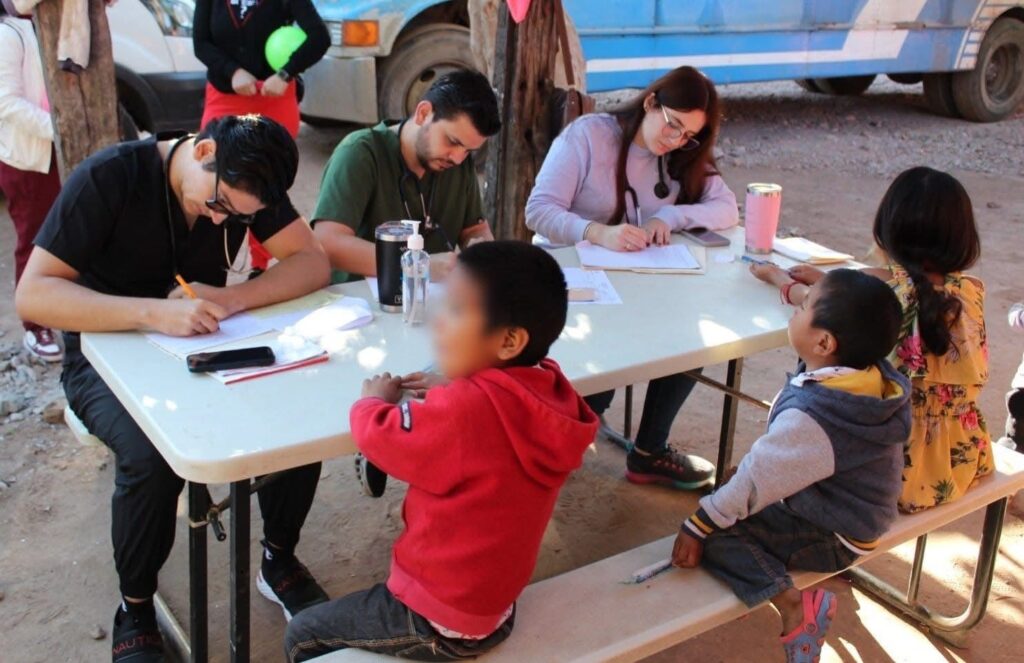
284, 109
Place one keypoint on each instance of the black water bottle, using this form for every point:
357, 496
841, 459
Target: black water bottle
391, 241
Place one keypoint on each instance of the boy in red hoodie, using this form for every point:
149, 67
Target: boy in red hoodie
484, 455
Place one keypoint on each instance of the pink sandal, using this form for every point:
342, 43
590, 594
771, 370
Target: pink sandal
804, 644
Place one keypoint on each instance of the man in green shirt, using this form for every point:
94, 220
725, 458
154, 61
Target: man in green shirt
420, 169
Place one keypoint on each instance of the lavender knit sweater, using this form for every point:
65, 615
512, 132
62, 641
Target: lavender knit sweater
576, 185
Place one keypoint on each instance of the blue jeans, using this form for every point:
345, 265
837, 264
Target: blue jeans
753, 555
375, 620
665, 397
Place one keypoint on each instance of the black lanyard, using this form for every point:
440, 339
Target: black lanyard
167, 206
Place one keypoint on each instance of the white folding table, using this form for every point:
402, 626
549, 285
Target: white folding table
212, 433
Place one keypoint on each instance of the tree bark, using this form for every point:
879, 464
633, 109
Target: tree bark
524, 65
83, 105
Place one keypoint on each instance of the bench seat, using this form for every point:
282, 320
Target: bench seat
583, 615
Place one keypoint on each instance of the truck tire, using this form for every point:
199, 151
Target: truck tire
808, 84
845, 85
995, 87
418, 58
127, 128
938, 94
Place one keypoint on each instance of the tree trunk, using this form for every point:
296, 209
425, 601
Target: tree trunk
524, 64
83, 105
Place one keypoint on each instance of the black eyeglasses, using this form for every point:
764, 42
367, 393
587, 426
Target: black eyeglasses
215, 205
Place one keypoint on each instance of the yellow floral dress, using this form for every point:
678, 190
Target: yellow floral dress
949, 442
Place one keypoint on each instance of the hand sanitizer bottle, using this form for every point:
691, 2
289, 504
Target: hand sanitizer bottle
415, 277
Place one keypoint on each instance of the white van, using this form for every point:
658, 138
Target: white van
160, 82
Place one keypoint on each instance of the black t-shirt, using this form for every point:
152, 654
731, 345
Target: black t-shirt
110, 224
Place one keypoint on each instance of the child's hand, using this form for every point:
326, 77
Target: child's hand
384, 387
770, 273
687, 551
806, 274
421, 381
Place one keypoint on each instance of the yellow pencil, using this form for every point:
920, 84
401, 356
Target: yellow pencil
185, 286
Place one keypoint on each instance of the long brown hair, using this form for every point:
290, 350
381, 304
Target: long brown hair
682, 89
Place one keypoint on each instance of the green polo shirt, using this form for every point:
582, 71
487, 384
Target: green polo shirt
360, 188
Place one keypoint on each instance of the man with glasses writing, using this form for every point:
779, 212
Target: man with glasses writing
420, 169
129, 221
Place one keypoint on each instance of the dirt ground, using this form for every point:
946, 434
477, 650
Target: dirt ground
834, 158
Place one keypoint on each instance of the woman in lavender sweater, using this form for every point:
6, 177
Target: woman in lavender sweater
626, 180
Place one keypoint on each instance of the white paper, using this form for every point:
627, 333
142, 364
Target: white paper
287, 350
804, 250
605, 292
671, 258
237, 327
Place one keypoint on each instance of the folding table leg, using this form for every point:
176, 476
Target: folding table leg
950, 629
198, 503
627, 424
240, 571
732, 380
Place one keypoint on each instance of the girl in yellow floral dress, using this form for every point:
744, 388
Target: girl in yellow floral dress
925, 226
925, 230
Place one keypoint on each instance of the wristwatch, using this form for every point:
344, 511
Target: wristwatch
284, 75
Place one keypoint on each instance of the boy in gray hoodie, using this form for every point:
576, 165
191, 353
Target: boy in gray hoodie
819, 488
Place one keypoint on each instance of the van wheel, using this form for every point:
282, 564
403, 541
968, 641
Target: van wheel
808, 84
938, 94
995, 87
417, 60
845, 85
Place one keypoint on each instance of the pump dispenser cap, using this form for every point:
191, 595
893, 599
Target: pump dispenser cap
415, 242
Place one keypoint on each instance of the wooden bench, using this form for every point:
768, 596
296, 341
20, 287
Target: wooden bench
579, 615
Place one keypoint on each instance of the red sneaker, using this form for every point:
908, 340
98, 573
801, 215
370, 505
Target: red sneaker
43, 344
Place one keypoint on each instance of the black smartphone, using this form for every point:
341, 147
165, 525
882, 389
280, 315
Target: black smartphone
205, 362
706, 237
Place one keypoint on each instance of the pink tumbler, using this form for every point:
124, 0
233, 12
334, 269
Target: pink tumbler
764, 203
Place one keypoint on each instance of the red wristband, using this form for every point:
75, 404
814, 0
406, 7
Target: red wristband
784, 292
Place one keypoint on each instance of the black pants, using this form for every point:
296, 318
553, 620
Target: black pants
665, 397
1015, 409
146, 489
375, 620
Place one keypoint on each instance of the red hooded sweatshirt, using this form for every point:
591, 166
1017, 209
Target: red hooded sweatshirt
484, 458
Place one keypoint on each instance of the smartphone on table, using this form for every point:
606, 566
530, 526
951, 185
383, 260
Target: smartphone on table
206, 362
706, 237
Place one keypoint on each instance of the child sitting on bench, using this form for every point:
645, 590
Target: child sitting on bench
484, 456
820, 487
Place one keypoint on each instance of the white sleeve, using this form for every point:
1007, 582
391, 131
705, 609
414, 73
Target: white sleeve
557, 184
715, 211
15, 109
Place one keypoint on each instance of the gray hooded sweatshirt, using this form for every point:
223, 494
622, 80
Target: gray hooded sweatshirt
835, 457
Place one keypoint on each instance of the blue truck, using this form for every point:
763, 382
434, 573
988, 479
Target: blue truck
968, 53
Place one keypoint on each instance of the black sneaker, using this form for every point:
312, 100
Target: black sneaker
136, 639
669, 468
371, 478
289, 584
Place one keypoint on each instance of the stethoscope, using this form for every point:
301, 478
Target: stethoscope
661, 190
425, 204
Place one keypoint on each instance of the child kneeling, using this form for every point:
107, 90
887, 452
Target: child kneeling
820, 487
484, 455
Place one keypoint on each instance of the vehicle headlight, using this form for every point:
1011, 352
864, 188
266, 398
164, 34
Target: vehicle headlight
173, 16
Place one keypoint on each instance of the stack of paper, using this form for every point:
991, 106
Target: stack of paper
671, 259
804, 250
237, 327
593, 283
290, 352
